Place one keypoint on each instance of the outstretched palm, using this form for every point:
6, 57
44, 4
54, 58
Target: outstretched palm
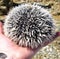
14, 51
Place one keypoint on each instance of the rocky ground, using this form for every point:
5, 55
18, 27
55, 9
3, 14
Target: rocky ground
51, 51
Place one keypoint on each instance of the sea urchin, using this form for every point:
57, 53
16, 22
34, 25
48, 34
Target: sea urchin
29, 25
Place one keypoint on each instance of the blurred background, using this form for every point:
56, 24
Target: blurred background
51, 51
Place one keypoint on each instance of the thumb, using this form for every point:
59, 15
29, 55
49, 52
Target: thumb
1, 29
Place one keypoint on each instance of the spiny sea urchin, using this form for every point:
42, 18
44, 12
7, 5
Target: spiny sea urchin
29, 25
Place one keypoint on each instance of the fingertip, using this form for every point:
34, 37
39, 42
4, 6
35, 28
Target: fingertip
0, 27
58, 33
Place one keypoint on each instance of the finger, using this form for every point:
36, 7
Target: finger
1, 30
47, 42
56, 35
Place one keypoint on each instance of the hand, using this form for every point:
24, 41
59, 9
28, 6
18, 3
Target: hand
14, 51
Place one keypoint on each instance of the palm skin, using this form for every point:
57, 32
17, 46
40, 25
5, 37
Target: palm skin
14, 51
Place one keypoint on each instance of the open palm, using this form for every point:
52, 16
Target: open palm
14, 51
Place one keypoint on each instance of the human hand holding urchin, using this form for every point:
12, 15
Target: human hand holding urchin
29, 25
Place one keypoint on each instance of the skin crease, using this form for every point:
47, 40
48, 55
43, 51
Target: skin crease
14, 51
